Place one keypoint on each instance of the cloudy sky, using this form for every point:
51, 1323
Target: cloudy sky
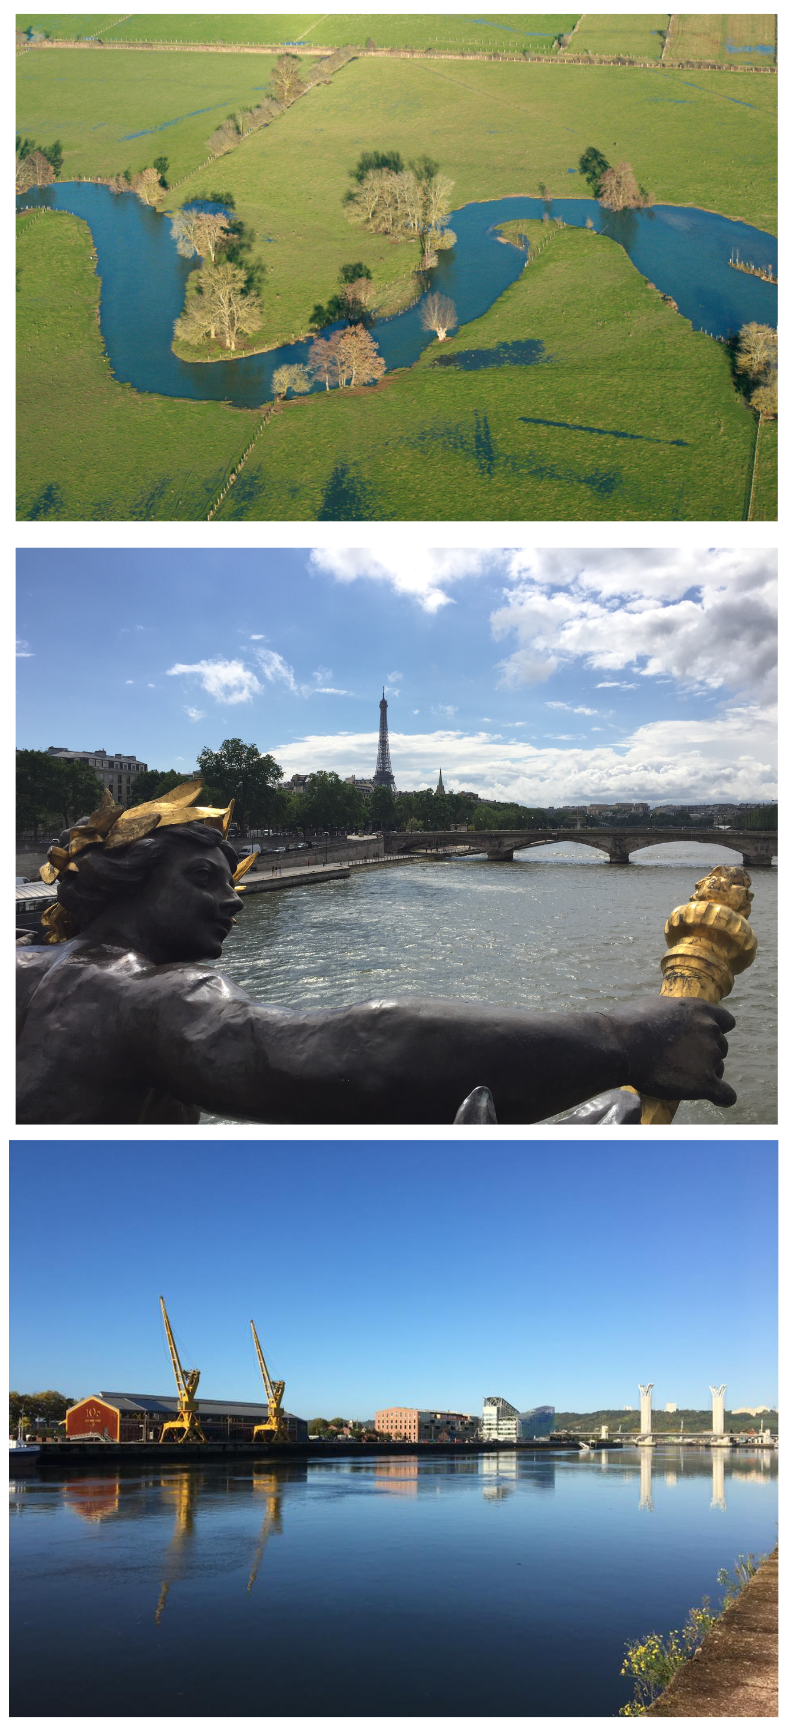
543, 676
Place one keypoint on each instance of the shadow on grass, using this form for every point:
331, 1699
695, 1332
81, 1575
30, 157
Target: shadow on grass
599, 431
507, 353
49, 505
348, 497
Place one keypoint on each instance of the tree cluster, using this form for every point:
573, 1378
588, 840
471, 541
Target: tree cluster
52, 793
328, 804
239, 771
353, 301
222, 308
37, 164
615, 188
152, 784
48, 1406
348, 357
199, 233
410, 202
756, 358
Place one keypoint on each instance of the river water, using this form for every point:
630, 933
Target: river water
495, 1584
558, 929
683, 251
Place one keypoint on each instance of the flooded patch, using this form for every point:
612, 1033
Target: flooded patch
507, 353
598, 431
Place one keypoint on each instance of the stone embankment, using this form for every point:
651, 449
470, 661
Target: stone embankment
734, 1674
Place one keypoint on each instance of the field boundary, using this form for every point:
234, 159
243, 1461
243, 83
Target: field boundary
749, 516
523, 59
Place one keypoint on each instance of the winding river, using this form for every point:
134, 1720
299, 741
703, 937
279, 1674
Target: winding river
685, 252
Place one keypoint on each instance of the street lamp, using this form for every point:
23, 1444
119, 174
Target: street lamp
326, 848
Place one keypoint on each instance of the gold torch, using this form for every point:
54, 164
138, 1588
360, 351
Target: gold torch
710, 940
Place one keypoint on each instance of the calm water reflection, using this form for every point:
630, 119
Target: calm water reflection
381, 1587
557, 929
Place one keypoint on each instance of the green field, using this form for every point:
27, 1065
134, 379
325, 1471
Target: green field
651, 427
498, 129
736, 38
640, 34
765, 490
88, 448
509, 32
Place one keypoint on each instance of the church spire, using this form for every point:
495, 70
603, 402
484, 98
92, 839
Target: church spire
440, 792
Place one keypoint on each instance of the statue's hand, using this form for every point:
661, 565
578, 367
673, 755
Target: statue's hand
676, 1048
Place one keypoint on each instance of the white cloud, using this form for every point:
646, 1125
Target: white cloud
699, 618
417, 573
194, 713
226, 679
276, 669
321, 689
624, 685
725, 758
23, 650
257, 637
448, 712
130, 682
589, 711
395, 677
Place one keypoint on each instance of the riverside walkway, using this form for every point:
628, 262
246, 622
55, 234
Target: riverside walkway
734, 1674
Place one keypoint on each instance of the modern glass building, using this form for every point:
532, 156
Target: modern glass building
502, 1423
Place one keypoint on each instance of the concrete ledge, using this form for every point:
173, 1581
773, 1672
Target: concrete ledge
734, 1675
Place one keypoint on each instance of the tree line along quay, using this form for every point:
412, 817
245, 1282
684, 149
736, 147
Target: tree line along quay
296, 235
57, 787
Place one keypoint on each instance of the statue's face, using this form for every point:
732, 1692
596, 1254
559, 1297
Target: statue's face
188, 904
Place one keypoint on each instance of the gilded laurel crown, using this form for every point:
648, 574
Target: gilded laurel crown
112, 826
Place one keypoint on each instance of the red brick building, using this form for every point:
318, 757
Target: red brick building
419, 1425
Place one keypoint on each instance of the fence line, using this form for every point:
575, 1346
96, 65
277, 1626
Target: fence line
265, 417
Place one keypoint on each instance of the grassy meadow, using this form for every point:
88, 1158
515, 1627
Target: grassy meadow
88, 448
734, 38
432, 442
649, 426
452, 32
641, 34
765, 489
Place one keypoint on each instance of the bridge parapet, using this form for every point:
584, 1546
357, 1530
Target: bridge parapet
756, 848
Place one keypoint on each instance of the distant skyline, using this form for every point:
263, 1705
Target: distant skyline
400, 1272
528, 675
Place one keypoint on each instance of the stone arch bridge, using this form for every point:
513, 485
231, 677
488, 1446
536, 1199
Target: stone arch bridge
756, 848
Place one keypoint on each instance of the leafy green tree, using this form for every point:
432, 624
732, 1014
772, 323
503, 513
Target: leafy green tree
317, 1427
161, 164
593, 164
328, 802
51, 792
148, 786
382, 809
238, 770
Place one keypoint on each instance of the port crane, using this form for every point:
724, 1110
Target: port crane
273, 1429
186, 1384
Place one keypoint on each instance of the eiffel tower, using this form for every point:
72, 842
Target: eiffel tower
383, 774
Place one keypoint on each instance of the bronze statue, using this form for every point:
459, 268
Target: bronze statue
120, 1025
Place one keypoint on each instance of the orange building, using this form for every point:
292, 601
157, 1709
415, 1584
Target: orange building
419, 1425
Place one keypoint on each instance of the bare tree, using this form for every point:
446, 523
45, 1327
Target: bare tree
295, 377
757, 357
220, 308
199, 232
358, 359
147, 185
619, 189
34, 170
439, 313
286, 79
349, 356
224, 138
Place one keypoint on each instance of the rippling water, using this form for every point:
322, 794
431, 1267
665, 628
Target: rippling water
494, 1584
560, 929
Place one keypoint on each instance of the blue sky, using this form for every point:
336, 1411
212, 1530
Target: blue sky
542, 676
380, 1274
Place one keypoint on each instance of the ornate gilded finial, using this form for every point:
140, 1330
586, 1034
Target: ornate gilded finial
710, 940
113, 826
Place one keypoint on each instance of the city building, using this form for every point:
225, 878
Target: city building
502, 1423
124, 1418
297, 785
671, 1407
366, 786
419, 1425
115, 772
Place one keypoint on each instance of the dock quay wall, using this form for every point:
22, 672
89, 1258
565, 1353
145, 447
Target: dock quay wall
92, 1455
734, 1673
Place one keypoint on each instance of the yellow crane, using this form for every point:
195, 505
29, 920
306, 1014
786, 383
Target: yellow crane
186, 1384
274, 1429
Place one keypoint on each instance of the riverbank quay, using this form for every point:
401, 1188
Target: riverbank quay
305, 874
67, 1454
734, 1673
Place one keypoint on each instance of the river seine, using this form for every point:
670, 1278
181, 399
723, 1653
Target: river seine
560, 929
493, 1584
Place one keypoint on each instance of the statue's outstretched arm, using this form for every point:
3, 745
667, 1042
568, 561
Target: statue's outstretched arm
412, 1061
